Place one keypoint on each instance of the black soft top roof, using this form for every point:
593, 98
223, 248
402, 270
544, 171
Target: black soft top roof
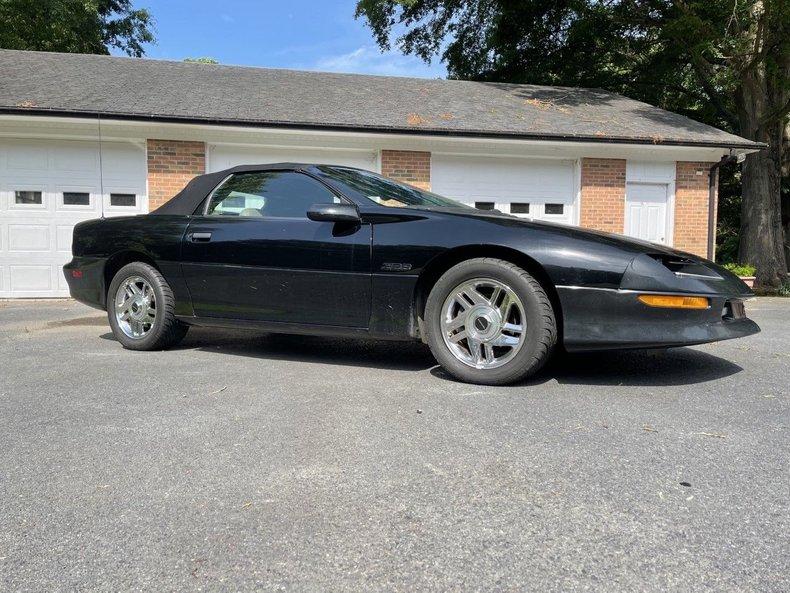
185, 202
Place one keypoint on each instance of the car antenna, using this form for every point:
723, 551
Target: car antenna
101, 169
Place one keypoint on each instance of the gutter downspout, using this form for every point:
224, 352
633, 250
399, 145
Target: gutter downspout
713, 187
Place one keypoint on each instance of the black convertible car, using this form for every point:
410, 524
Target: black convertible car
333, 250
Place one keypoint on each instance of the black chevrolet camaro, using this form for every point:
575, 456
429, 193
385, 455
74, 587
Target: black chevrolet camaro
320, 249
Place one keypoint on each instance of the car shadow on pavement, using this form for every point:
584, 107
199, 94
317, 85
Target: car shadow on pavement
648, 368
676, 366
405, 356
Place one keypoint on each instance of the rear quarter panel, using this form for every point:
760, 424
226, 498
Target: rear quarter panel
103, 243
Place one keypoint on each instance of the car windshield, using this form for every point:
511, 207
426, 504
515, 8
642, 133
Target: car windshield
387, 192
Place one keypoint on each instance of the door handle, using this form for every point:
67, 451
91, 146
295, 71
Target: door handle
200, 237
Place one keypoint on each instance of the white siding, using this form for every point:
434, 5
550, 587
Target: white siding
222, 157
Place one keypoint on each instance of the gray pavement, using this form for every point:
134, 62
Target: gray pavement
266, 462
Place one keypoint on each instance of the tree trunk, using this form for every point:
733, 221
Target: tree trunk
785, 181
762, 235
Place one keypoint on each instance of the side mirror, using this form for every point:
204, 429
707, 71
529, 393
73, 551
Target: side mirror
333, 213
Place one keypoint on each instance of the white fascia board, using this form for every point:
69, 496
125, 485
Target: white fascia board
87, 128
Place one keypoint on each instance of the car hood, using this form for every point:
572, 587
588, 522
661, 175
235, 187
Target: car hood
652, 266
628, 243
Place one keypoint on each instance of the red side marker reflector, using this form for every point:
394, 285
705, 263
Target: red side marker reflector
76, 273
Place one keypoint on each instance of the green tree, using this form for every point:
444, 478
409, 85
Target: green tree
203, 60
724, 62
76, 26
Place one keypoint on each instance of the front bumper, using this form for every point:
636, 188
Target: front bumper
608, 319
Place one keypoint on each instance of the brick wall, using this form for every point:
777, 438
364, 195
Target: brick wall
691, 207
171, 165
603, 195
409, 166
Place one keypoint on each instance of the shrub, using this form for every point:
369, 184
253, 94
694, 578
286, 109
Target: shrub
741, 269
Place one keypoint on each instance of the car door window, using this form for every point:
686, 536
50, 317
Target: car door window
268, 194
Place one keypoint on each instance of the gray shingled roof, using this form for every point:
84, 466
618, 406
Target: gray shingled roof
42, 83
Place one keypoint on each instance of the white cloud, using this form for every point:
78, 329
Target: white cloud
369, 60
227, 18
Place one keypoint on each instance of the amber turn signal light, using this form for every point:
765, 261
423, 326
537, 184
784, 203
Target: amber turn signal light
669, 301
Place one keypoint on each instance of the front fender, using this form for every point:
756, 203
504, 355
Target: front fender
682, 273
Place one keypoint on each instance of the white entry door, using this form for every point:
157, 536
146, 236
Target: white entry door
646, 212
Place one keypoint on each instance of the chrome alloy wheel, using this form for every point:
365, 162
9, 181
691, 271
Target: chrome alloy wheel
135, 307
483, 323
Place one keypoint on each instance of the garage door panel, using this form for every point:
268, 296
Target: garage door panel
124, 164
78, 159
27, 158
28, 237
35, 240
543, 189
30, 278
63, 235
61, 280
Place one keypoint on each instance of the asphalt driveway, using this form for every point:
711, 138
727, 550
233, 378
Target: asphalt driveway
265, 462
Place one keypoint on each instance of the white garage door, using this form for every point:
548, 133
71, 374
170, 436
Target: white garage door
531, 188
223, 157
46, 187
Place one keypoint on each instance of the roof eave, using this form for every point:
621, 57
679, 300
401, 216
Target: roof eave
425, 131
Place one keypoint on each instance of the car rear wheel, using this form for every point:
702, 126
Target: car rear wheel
490, 322
141, 309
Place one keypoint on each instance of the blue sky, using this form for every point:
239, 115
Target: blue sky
301, 34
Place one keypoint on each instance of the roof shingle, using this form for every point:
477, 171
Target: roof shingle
178, 91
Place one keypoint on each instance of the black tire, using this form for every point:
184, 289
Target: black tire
540, 335
166, 330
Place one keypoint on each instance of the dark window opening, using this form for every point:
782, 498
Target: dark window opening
74, 198
519, 208
386, 192
484, 205
123, 200
269, 194
28, 197
554, 208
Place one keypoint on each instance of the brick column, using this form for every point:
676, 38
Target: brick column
691, 207
603, 195
171, 165
410, 166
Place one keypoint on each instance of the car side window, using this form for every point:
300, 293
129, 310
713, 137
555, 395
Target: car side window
268, 194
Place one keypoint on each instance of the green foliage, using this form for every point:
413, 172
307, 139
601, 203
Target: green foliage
722, 62
76, 26
729, 214
784, 288
741, 269
203, 60
680, 56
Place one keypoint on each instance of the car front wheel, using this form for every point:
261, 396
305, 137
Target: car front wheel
141, 309
490, 322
